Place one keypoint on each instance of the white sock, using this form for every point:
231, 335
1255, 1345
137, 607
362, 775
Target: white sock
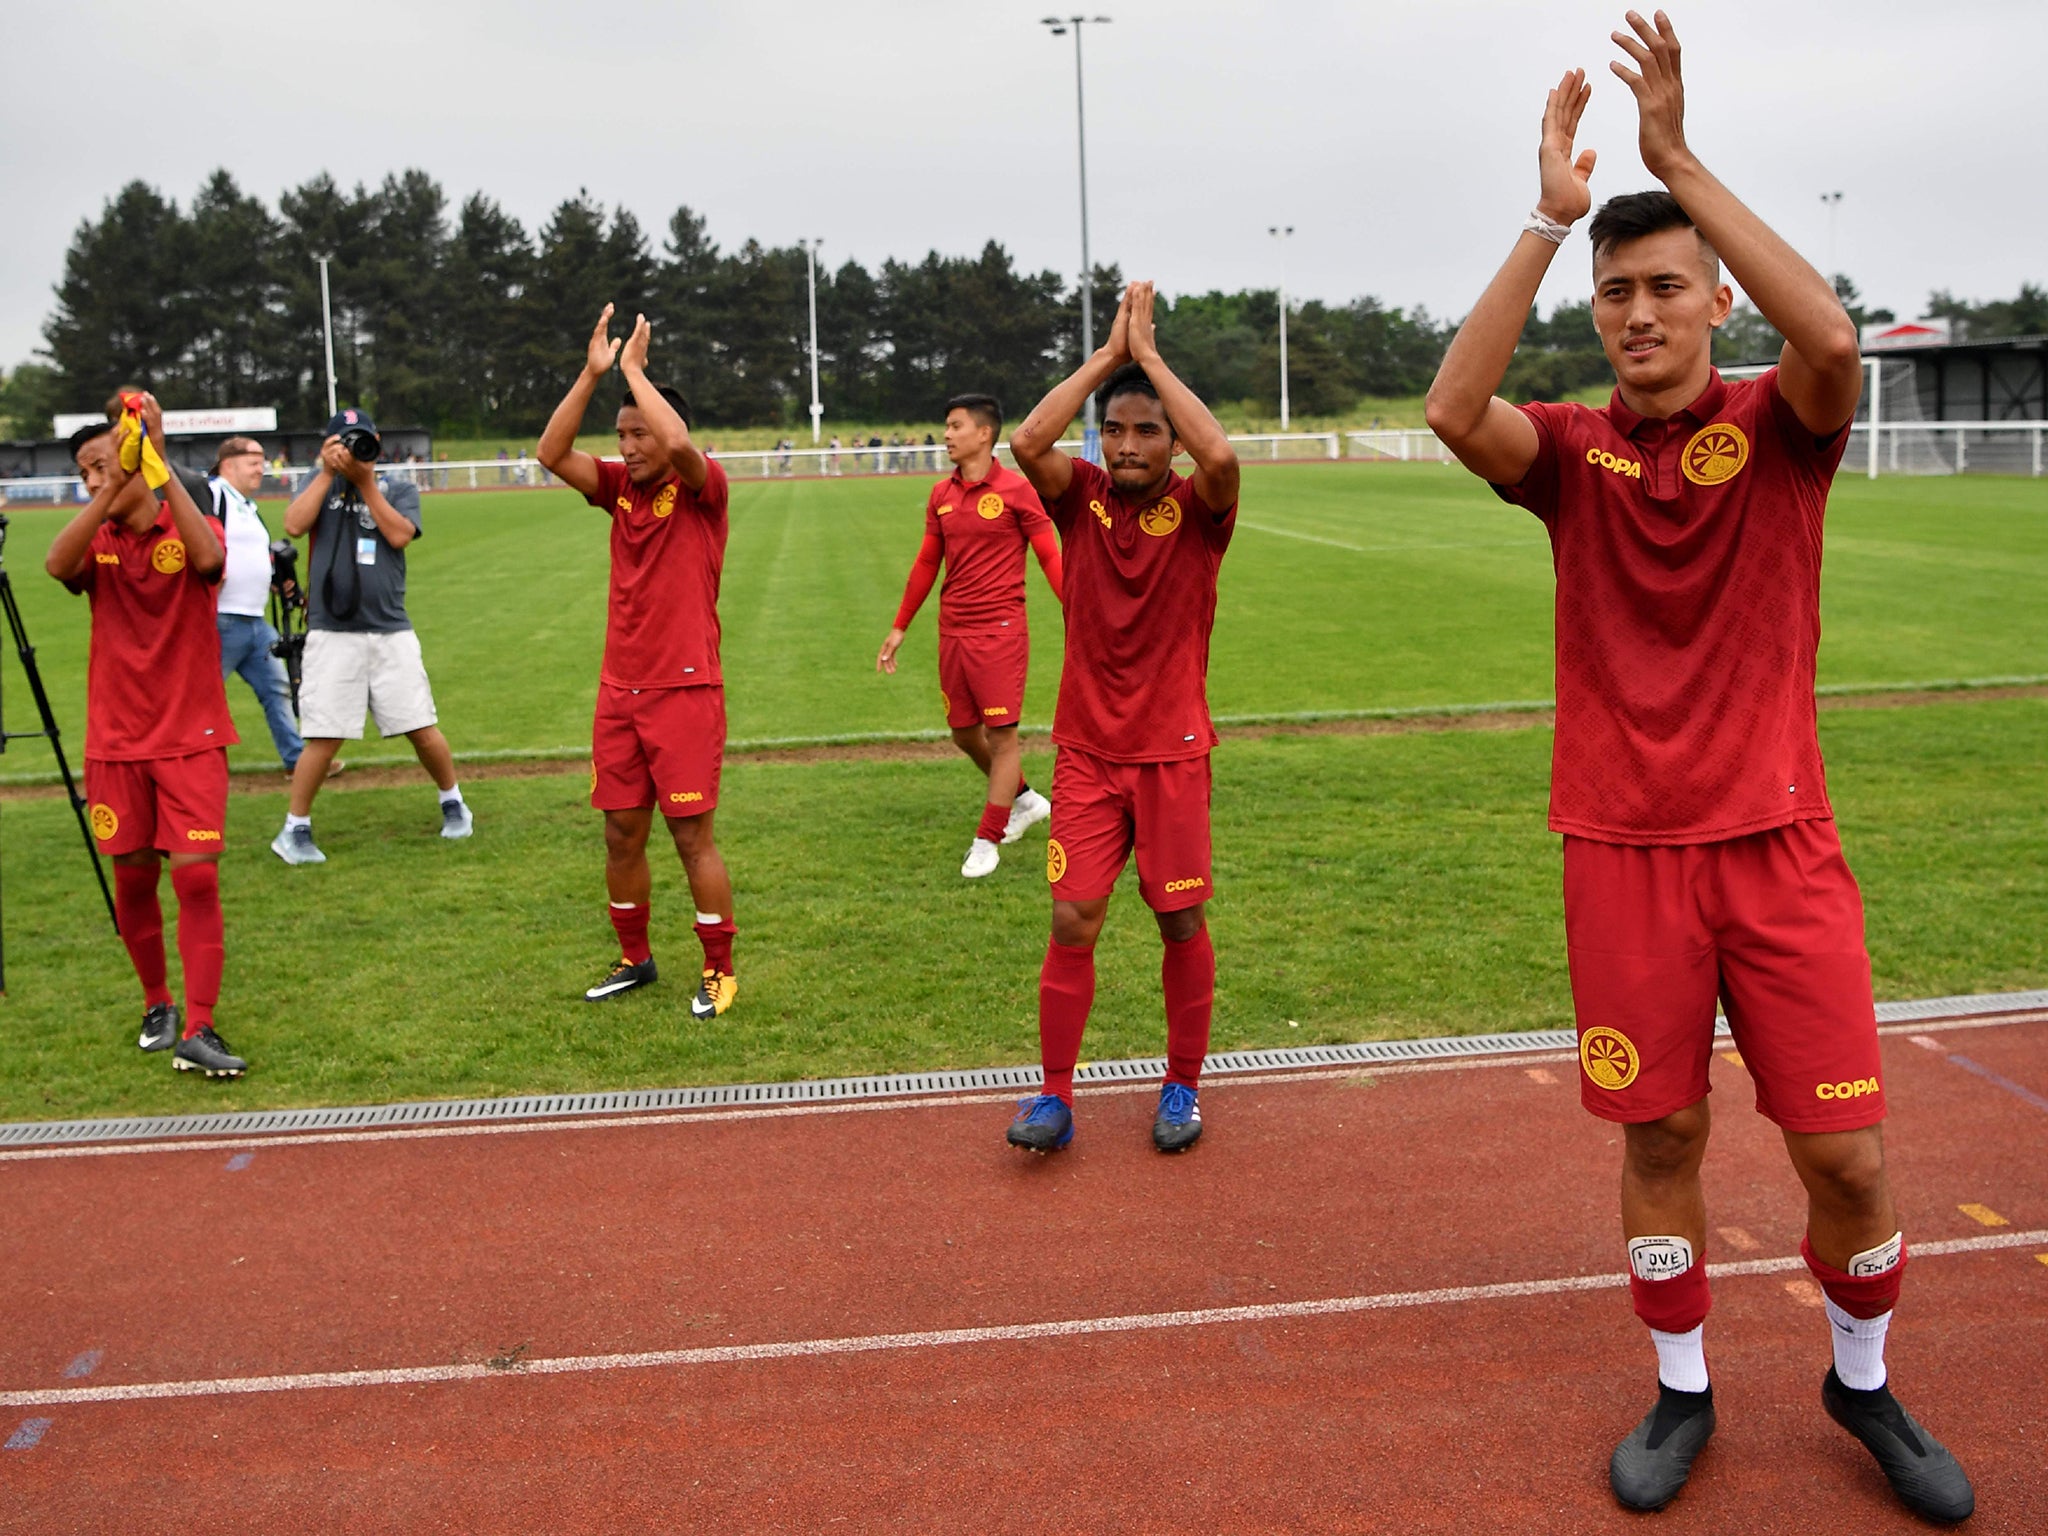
1859, 1347
293, 823
1682, 1358
452, 795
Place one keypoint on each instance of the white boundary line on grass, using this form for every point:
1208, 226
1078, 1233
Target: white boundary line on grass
632, 1120
937, 1338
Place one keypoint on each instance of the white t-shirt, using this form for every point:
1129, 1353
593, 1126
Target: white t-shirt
245, 584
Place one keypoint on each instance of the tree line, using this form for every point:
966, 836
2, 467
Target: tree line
461, 320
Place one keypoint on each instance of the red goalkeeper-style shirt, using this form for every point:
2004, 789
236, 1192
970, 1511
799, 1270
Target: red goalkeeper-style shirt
668, 552
153, 686
983, 530
1688, 613
1140, 588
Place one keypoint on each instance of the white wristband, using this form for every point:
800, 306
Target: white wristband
1542, 224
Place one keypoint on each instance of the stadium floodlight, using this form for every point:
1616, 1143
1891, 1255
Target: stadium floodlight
817, 406
1834, 202
1059, 28
1282, 233
327, 325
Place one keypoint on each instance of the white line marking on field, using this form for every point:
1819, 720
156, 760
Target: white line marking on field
938, 1338
632, 1120
1387, 549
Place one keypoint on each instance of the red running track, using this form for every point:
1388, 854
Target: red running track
1276, 1332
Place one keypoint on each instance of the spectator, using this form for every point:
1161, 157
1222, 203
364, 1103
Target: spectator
361, 652
246, 637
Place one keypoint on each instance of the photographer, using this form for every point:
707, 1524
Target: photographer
246, 637
361, 652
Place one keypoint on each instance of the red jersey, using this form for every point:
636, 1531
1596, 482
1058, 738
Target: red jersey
1140, 589
1688, 613
152, 683
985, 528
668, 551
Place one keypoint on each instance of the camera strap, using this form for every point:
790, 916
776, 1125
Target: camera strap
341, 554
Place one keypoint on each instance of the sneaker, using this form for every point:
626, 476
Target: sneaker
623, 977
1652, 1464
715, 994
1043, 1124
981, 859
1027, 810
160, 1027
1179, 1124
1927, 1479
456, 820
206, 1052
295, 846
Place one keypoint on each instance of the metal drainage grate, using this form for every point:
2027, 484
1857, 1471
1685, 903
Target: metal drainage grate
1020, 1079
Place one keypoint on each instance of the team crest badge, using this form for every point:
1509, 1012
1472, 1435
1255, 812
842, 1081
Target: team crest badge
1161, 518
1716, 454
168, 557
1055, 861
990, 506
945, 702
1609, 1058
664, 501
104, 822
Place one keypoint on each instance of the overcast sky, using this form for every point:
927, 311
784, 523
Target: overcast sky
1397, 137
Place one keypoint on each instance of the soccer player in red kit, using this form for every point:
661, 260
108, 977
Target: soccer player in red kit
659, 737
978, 521
1700, 852
156, 717
1140, 548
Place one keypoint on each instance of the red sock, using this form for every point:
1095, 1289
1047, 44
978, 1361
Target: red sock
1858, 1295
200, 940
1676, 1305
142, 927
631, 925
1187, 975
1066, 991
995, 820
717, 941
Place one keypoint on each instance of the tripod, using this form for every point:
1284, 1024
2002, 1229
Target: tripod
27, 653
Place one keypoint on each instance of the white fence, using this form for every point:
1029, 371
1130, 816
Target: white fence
1404, 445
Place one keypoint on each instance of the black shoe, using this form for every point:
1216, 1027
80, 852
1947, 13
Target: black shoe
623, 977
1178, 1125
160, 1027
1652, 1464
207, 1052
1927, 1479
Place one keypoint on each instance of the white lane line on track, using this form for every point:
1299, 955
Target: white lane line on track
939, 1338
630, 1120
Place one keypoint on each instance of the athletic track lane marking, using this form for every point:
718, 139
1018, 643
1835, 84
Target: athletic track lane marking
1010, 1333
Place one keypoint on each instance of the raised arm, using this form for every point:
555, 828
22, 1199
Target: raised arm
1034, 443
1821, 369
1216, 472
71, 551
669, 428
303, 511
557, 450
204, 556
1490, 437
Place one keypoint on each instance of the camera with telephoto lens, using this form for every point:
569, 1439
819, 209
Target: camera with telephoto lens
363, 443
284, 568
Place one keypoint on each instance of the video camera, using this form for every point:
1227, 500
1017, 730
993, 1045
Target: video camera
288, 598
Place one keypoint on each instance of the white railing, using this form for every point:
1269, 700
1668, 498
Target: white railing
1402, 445
747, 464
1950, 447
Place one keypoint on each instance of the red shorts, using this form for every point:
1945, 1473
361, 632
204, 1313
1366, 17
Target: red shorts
981, 677
1102, 810
659, 747
1772, 924
176, 804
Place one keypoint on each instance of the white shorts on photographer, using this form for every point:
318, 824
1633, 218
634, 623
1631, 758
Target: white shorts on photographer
347, 674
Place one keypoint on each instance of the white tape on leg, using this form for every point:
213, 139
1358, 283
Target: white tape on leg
1879, 1260
1659, 1258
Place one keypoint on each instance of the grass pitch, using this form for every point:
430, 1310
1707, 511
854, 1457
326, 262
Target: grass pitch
1366, 885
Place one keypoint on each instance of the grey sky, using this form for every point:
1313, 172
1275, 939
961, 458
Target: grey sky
1398, 138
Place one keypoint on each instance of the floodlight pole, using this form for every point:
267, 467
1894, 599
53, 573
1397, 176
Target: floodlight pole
1059, 28
327, 324
817, 405
1834, 202
1282, 233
